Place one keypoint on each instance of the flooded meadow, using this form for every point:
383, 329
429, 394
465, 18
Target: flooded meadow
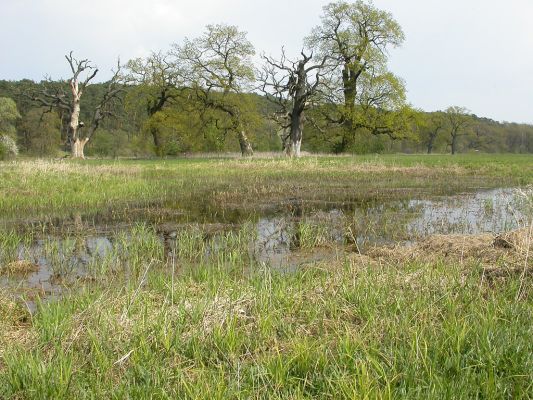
313, 278
43, 257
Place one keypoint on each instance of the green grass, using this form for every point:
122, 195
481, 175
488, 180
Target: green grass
337, 330
207, 187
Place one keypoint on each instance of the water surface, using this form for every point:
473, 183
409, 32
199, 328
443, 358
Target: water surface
285, 235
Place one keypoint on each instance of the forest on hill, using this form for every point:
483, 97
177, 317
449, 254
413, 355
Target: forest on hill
127, 134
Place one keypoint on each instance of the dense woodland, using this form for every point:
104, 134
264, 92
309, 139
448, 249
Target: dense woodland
209, 94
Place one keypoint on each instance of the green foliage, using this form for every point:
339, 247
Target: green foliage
40, 132
483, 135
219, 70
356, 28
156, 80
357, 36
110, 143
8, 115
220, 59
431, 129
459, 122
178, 132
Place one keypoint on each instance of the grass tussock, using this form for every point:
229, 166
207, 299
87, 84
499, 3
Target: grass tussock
19, 267
15, 326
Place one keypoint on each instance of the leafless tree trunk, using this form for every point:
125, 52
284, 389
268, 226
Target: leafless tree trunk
78, 147
77, 144
59, 99
288, 85
246, 147
296, 132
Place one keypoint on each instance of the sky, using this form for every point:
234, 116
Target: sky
476, 54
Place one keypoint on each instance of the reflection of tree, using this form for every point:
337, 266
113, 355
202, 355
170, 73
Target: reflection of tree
383, 222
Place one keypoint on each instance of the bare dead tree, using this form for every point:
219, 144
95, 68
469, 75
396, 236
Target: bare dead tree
77, 88
54, 97
292, 86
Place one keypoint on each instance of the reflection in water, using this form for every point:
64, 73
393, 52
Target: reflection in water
493, 211
276, 240
273, 241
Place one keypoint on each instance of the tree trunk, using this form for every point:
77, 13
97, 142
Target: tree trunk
295, 137
454, 144
78, 147
347, 130
430, 144
74, 123
285, 142
350, 76
295, 147
157, 142
246, 146
432, 137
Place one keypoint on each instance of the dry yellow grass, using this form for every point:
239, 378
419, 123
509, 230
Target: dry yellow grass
19, 267
316, 164
41, 166
511, 248
15, 328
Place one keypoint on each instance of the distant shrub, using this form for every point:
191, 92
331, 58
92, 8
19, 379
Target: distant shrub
8, 147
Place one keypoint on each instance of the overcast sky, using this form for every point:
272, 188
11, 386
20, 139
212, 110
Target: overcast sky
472, 53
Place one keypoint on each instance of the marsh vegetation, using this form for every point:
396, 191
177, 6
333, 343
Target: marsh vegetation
324, 277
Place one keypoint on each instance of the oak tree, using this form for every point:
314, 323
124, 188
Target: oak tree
219, 70
458, 122
357, 36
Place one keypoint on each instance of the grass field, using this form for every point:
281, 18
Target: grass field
219, 325
43, 187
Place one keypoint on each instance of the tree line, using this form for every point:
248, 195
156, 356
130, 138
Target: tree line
207, 94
